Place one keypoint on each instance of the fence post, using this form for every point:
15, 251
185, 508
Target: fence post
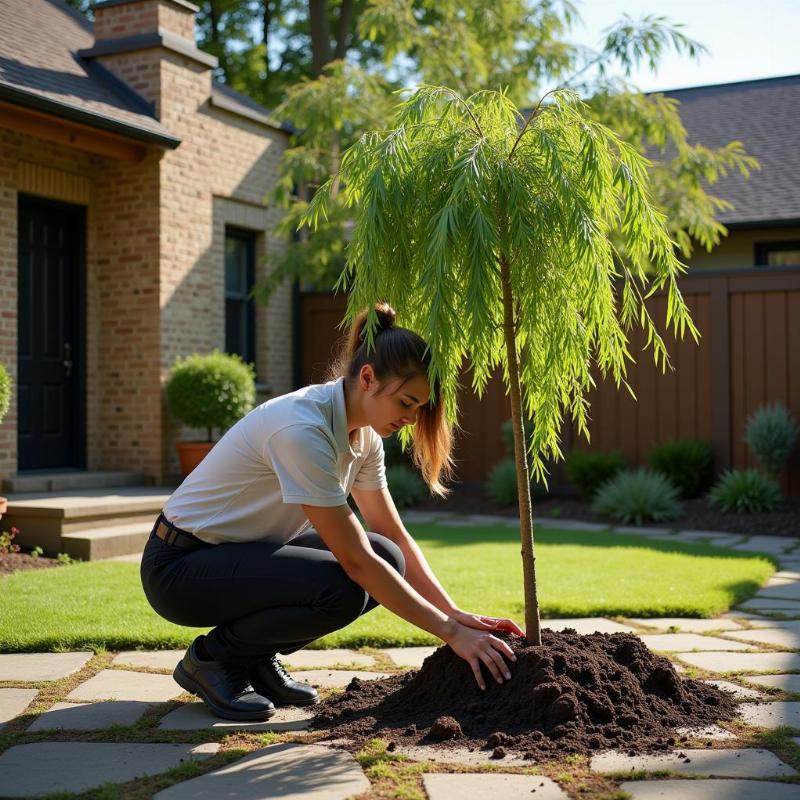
721, 371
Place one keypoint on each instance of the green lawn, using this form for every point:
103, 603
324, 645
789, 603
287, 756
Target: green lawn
101, 604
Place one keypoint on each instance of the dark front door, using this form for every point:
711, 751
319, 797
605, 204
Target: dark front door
51, 341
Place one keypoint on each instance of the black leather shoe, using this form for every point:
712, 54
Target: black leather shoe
272, 680
224, 688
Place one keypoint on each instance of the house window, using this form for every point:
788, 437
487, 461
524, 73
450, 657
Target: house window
240, 317
778, 254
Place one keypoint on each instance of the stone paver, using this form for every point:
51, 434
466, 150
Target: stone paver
715, 789
13, 702
715, 763
409, 656
716, 539
687, 625
315, 659
643, 531
789, 591
713, 732
195, 716
771, 715
742, 662
154, 659
444, 786
121, 684
684, 642
587, 625
40, 666
770, 604
739, 692
89, 716
774, 545
775, 636
334, 678
788, 683
789, 574
287, 771
45, 767
459, 755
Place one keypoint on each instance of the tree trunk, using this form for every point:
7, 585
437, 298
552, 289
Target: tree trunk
532, 628
320, 36
343, 34
219, 45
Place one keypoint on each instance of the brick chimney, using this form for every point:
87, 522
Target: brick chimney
133, 39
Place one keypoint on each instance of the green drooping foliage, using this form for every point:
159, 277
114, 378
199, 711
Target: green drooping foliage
745, 492
5, 391
458, 185
210, 391
636, 496
587, 471
687, 463
405, 484
771, 433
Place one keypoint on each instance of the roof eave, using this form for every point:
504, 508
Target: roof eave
86, 117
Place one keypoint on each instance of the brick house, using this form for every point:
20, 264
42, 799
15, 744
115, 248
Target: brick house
132, 220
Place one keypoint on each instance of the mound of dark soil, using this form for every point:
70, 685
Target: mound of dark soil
574, 694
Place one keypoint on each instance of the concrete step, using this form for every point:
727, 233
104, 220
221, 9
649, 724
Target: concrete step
44, 518
71, 480
115, 540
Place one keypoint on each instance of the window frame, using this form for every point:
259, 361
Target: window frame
248, 237
763, 249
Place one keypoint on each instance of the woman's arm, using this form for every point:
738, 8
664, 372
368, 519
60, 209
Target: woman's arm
343, 534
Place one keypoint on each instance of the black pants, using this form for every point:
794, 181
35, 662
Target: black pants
263, 598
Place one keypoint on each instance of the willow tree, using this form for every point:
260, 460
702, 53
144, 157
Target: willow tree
491, 233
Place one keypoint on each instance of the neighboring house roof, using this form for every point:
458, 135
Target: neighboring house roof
39, 70
765, 116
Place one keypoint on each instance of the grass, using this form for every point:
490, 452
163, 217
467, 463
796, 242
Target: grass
100, 605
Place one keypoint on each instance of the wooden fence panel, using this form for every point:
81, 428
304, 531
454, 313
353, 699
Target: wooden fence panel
748, 354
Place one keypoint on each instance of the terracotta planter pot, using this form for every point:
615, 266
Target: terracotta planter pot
191, 454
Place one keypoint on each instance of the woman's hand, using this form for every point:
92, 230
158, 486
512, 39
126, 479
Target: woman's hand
483, 623
476, 647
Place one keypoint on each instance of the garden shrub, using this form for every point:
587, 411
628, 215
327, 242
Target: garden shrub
406, 486
588, 471
211, 391
638, 496
392, 451
771, 433
5, 391
507, 435
501, 485
745, 491
688, 464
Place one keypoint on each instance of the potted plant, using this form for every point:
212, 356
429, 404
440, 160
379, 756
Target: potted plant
5, 402
208, 391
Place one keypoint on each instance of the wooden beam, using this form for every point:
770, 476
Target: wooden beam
70, 134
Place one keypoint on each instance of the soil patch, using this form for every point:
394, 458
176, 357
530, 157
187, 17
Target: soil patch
16, 562
574, 694
468, 498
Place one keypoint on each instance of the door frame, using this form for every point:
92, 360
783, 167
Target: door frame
78, 215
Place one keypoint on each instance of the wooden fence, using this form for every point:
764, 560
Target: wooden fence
749, 354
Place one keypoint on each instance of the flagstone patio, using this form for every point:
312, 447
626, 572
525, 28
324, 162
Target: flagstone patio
75, 721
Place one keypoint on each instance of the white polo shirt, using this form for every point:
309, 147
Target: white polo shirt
290, 450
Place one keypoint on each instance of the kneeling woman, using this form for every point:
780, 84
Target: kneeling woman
260, 542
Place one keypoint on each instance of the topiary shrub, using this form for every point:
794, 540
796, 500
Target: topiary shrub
745, 491
588, 471
688, 464
406, 486
393, 453
210, 391
5, 392
501, 485
638, 496
771, 433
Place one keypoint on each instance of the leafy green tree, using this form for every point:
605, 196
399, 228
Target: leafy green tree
493, 236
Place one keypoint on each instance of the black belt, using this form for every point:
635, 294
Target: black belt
173, 535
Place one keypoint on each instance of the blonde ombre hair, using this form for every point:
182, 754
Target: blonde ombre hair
400, 353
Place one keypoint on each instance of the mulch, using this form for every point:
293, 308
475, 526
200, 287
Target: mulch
469, 498
574, 694
16, 562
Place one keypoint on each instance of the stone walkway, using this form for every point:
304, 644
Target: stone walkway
73, 722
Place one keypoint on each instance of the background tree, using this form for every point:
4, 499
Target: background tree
492, 234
